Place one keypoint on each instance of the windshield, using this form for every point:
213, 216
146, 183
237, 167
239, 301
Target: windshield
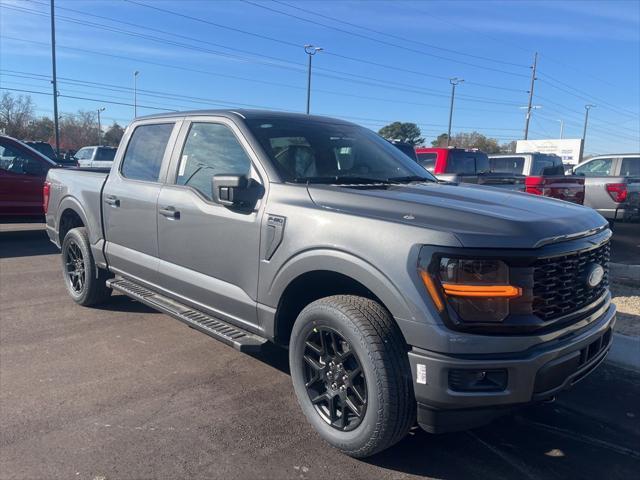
105, 154
323, 152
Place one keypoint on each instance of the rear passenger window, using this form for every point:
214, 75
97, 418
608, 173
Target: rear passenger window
143, 158
507, 165
210, 149
599, 167
630, 167
542, 165
427, 160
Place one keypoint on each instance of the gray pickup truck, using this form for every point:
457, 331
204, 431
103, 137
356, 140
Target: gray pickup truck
400, 299
612, 185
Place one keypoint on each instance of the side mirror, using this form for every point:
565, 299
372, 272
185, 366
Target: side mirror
227, 189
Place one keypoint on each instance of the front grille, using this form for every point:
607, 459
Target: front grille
559, 283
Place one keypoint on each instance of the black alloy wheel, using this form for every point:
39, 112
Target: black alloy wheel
334, 379
75, 269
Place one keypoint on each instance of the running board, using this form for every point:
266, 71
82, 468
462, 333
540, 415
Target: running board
238, 338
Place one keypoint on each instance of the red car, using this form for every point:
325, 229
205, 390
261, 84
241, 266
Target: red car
23, 172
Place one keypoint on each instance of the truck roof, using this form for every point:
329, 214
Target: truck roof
245, 114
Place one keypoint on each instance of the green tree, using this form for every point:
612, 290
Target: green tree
403, 132
113, 135
475, 140
440, 141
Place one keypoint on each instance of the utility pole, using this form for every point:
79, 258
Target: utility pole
561, 129
54, 81
310, 50
101, 109
135, 93
586, 120
453, 81
533, 80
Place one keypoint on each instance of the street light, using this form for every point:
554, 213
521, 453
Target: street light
453, 81
310, 50
101, 109
561, 128
135, 93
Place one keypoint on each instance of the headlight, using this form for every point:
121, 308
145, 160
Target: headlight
478, 290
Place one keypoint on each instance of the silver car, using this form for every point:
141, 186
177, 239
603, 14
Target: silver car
95, 156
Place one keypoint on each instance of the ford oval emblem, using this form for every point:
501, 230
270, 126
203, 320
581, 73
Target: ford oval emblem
595, 275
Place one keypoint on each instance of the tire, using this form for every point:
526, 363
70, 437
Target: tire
86, 284
375, 341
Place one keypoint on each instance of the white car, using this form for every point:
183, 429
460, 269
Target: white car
95, 157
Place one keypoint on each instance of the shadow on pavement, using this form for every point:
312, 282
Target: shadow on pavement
625, 243
26, 243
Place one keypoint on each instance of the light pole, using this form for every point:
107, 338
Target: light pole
101, 109
561, 128
453, 81
310, 50
135, 93
584, 131
54, 80
528, 108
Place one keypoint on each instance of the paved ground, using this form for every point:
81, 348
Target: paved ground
124, 392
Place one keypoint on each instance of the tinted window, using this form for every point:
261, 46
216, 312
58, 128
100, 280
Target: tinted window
507, 165
14, 161
143, 158
321, 151
105, 154
541, 164
43, 148
467, 162
600, 167
630, 167
427, 160
211, 149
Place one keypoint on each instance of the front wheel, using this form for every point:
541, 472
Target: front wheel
351, 374
85, 283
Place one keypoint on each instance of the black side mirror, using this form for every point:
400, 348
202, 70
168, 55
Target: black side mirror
227, 189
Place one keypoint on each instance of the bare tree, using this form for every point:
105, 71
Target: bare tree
15, 115
78, 130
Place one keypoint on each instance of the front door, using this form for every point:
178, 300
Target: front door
22, 178
129, 201
209, 253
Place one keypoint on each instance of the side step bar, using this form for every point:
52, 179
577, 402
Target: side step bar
238, 338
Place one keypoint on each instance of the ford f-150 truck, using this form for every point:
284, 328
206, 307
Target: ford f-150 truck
400, 299
545, 175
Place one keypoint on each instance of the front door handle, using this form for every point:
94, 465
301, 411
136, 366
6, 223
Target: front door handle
112, 200
169, 212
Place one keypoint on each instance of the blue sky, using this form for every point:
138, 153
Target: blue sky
383, 61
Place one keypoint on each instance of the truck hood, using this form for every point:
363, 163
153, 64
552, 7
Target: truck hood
480, 217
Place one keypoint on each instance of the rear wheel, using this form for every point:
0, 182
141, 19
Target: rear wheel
351, 374
85, 283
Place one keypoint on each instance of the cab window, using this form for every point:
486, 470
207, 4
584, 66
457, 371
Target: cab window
145, 151
599, 167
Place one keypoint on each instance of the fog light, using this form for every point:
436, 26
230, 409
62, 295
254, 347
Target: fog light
463, 380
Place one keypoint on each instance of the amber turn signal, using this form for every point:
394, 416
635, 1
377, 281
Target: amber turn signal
431, 288
486, 291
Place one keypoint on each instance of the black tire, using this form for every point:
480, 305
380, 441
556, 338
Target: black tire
85, 282
375, 339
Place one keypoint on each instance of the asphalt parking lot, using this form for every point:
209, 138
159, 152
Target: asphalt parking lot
124, 392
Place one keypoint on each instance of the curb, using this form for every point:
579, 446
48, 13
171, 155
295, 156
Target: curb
626, 274
625, 351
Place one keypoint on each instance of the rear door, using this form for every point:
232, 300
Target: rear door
209, 253
129, 199
22, 176
598, 173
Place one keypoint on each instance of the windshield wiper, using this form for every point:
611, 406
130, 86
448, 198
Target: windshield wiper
409, 178
341, 180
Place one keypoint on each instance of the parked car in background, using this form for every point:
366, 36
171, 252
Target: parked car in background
467, 166
47, 150
23, 171
406, 148
401, 299
612, 185
95, 156
545, 175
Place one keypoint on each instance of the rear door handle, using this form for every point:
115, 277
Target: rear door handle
169, 212
112, 200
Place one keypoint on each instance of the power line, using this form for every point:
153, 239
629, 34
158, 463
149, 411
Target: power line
405, 39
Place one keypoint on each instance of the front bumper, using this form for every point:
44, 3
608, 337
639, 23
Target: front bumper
533, 375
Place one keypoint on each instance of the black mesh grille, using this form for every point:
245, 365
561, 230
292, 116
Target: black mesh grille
560, 284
